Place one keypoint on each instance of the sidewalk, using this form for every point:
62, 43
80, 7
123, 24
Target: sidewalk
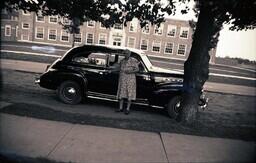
83, 143
209, 86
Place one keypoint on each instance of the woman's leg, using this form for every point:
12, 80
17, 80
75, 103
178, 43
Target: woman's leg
121, 102
127, 111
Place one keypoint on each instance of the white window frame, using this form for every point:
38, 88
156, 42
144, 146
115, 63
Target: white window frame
166, 46
61, 34
87, 38
37, 31
26, 14
101, 26
80, 37
117, 42
17, 31
41, 21
153, 46
183, 29
141, 44
65, 21
92, 22
129, 42
22, 37
121, 25
143, 31
184, 51
51, 21
49, 35
105, 35
170, 28
22, 25
5, 30
160, 27
135, 26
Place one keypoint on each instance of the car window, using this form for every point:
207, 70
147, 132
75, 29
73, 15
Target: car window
142, 67
94, 58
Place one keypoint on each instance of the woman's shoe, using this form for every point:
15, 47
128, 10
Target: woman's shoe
118, 110
126, 111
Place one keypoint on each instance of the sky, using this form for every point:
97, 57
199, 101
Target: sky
241, 44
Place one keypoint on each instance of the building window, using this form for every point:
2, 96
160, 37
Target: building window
168, 48
90, 23
15, 18
184, 32
159, 30
25, 25
40, 33
102, 26
8, 30
78, 38
171, 31
24, 37
64, 36
181, 49
39, 17
52, 34
4, 11
118, 26
133, 26
102, 39
65, 21
145, 29
53, 19
25, 13
131, 42
89, 38
144, 45
156, 46
17, 31
117, 41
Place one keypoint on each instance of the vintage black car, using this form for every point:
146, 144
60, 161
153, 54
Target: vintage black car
90, 71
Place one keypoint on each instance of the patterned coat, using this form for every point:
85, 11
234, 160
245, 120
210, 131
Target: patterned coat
127, 79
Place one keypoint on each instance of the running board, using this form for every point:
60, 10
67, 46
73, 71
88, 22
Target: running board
107, 97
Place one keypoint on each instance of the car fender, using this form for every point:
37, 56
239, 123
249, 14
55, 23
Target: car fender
77, 77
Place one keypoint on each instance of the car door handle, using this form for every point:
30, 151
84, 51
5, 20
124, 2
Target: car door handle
102, 72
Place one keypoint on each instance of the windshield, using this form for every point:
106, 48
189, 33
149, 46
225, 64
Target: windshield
146, 61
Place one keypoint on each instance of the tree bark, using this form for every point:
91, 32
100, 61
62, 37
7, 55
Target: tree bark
73, 40
196, 67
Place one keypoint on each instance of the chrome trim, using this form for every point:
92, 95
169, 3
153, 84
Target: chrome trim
205, 104
37, 81
94, 96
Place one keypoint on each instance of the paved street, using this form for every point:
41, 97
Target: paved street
83, 143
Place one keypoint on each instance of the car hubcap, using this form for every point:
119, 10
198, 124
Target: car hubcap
177, 107
71, 90
69, 93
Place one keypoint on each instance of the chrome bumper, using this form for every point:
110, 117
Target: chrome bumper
203, 102
37, 80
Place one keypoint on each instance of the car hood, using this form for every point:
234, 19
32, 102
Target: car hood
165, 71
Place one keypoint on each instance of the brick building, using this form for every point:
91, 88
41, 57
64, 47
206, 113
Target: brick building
172, 39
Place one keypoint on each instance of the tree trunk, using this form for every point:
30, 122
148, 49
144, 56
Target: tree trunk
73, 40
196, 68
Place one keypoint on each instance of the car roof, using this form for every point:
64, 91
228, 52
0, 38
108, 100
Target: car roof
112, 48
103, 48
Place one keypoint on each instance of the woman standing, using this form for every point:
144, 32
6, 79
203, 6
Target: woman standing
127, 81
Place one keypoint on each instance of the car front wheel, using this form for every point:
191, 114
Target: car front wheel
173, 107
69, 92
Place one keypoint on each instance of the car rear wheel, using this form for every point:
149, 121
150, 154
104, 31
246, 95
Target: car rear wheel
69, 92
173, 107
